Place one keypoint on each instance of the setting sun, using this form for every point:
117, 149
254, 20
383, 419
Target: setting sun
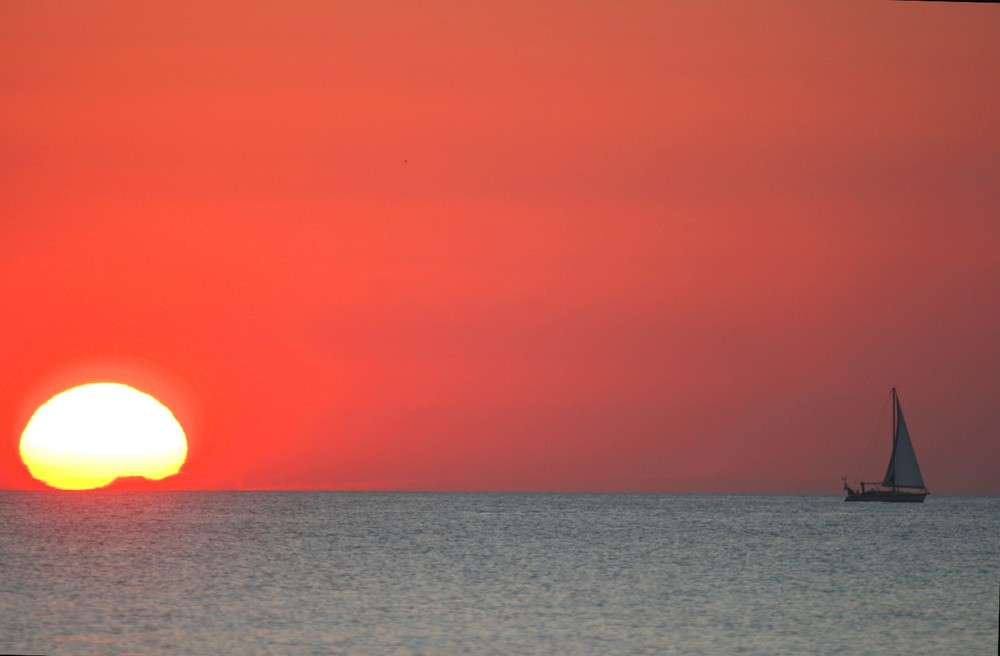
90, 435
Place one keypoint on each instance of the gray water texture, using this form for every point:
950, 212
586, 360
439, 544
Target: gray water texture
490, 573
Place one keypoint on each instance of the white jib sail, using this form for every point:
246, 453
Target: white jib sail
903, 468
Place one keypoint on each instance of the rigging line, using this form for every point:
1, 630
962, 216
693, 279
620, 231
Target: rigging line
874, 435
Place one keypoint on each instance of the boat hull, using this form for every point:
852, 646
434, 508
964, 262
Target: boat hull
890, 496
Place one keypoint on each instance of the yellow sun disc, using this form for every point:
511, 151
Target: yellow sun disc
88, 436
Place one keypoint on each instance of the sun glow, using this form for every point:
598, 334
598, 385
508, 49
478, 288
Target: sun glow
89, 435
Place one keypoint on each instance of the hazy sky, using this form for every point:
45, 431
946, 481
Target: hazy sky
665, 246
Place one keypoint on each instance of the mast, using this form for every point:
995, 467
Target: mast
895, 435
890, 471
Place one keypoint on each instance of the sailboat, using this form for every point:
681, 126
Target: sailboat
902, 482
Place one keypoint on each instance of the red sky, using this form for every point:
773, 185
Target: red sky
499, 246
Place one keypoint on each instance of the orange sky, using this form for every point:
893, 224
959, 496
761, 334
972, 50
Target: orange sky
510, 246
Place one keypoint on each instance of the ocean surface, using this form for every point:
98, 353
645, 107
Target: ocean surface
479, 573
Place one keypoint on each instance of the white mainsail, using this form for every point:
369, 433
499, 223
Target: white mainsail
903, 469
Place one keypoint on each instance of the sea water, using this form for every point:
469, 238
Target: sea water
409, 573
